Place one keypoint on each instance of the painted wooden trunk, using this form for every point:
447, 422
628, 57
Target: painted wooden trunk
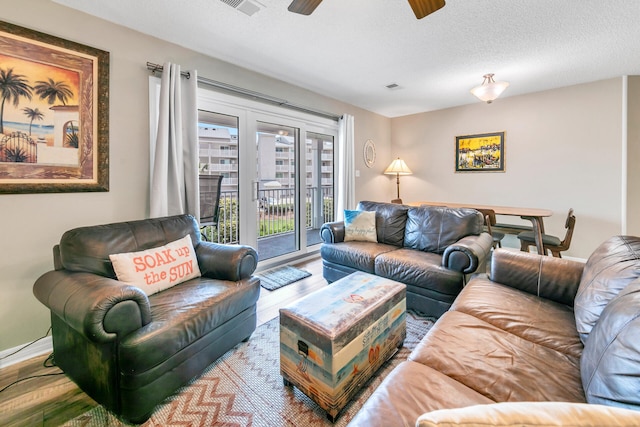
333, 340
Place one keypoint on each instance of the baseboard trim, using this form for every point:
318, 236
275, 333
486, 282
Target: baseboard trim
38, 348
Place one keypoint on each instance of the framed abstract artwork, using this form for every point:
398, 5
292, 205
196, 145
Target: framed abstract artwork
54, 114
480, 153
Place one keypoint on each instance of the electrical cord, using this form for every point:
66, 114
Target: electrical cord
27, 345
29, 378
49, 362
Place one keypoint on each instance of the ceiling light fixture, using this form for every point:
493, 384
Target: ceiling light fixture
489, 90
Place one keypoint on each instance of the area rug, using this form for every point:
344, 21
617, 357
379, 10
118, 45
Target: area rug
244, 388
281, 276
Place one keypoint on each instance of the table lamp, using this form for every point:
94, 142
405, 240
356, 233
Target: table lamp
398, 167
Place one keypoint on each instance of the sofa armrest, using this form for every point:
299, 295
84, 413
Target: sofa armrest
98, 307
548, 277
226, 262
332, 232
468, 253
531, 414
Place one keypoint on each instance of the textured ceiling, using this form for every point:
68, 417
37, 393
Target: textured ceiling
352, 49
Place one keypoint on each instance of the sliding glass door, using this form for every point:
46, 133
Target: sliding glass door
318, 191
278, 174
219, 155
277, 159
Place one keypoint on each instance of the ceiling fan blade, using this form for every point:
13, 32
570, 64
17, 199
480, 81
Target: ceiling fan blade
304, 7
424, 7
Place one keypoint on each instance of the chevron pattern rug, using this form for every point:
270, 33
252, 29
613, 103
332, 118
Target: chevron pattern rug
244, 388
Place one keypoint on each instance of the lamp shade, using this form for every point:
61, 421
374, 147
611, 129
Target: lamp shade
398, 167
489, 90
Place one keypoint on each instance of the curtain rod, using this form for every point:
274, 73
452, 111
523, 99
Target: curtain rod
156, 68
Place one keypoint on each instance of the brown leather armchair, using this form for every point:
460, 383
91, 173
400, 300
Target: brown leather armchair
130, 351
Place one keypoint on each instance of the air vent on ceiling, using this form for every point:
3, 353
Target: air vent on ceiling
392, 86
248, 7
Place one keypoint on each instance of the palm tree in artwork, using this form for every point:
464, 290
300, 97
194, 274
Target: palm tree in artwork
32, 114
12, 87
52, 90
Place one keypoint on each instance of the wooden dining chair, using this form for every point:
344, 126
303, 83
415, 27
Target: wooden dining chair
489, 216
550, 243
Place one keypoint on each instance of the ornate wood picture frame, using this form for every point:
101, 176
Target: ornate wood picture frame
54, 116
480, 153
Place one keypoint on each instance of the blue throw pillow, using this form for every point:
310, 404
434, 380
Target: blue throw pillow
360, 226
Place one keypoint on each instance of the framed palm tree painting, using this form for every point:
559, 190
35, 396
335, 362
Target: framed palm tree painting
54, 106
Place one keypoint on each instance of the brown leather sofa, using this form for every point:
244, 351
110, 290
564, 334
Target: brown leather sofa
130, 351
432, 250
541, 341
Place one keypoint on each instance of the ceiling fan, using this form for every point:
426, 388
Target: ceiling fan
421, 8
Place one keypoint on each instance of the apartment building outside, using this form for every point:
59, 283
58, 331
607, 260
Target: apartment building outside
276, 161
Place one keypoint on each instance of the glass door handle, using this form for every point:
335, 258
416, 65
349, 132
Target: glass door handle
257, 193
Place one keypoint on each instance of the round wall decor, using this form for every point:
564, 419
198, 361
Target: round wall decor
369, 153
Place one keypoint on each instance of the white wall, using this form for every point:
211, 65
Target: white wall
33, 223
563, 149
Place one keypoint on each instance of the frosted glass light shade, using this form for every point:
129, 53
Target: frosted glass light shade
489, 90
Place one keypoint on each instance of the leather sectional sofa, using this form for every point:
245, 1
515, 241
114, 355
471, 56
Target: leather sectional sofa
125, 349
432, 250
540, 341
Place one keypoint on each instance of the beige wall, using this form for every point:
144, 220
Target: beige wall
33, 223
633, 157
563, 149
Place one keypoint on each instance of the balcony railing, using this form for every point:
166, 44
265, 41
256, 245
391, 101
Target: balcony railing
216, 167
217, 152
275, 213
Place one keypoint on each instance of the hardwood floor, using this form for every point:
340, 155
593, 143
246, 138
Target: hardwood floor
53, 400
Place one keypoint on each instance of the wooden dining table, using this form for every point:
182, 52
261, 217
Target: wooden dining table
535, 215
